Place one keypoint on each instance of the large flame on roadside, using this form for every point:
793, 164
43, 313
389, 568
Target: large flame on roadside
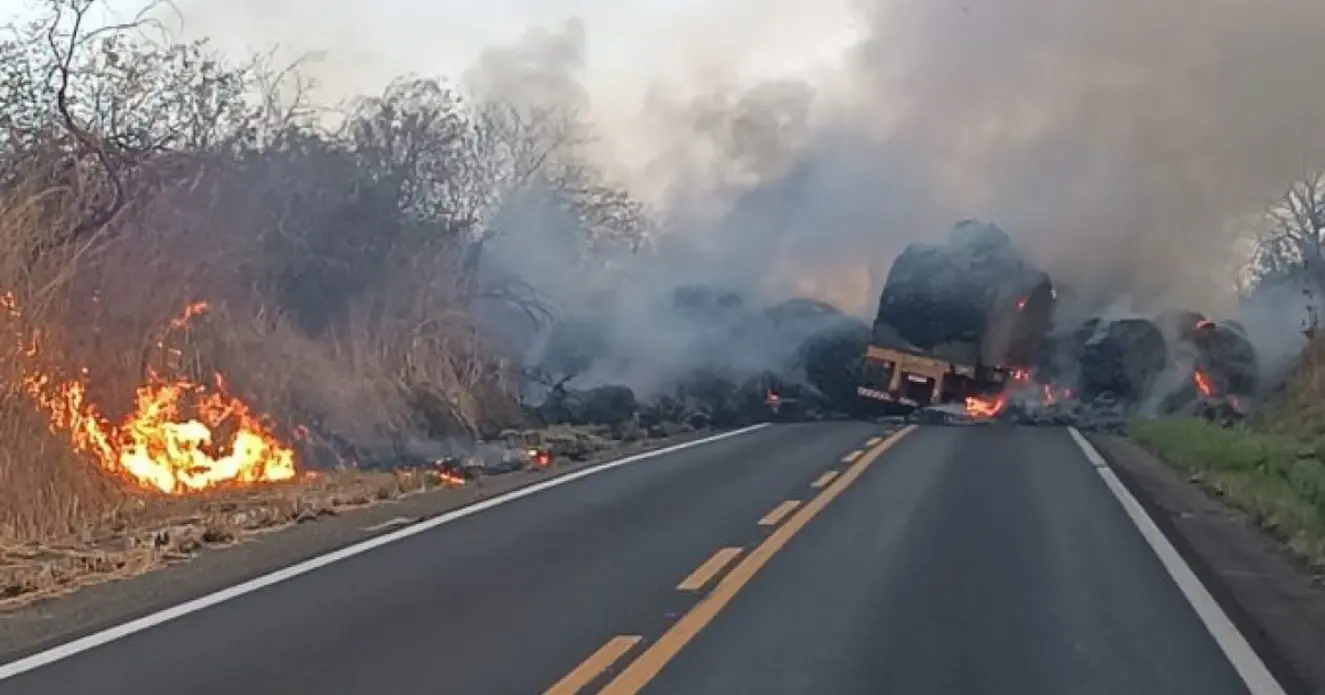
220, 441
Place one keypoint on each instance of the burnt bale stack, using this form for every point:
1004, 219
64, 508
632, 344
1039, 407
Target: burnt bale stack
1227, 358
973, 298
827, 349
603, 405
1118, 359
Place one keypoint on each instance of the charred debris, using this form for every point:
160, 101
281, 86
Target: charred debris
971, 330
730, 364
966, 330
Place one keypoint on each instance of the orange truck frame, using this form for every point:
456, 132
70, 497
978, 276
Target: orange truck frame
911, 379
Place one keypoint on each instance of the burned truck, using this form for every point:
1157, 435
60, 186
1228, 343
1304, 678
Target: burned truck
971, 321
956, 320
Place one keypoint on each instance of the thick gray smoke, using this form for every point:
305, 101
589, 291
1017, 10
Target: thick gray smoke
1121, 143
1118, 142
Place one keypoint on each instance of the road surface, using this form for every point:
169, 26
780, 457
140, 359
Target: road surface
805, 558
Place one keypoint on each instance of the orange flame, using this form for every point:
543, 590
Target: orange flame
156, 445
451, 478
1203, 383
984, 408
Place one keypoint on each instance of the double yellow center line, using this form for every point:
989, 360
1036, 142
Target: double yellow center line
647, 666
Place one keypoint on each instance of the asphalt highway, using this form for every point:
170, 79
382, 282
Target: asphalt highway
806, 558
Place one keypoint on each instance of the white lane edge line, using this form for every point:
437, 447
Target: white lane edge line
96, 639
1244, 659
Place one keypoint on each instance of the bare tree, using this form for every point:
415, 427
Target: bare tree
1293, 242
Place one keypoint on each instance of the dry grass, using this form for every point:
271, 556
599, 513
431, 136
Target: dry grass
140, 533
45, 491
1300, 408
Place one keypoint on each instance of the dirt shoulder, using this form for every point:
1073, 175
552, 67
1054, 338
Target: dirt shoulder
198, 556
1267, 589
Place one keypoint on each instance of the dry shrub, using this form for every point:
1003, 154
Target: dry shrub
1300, 407
45, 491
406, 359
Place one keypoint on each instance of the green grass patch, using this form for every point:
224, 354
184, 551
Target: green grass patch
1277, 478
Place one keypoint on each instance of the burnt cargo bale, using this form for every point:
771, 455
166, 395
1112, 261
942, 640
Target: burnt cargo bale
1119, 359
803, 314
833, 363
1228, 358
951, 293
1181, 324
603, 405
957, 352
1021, 322
710, 398
885, 335
800, 327
927, 301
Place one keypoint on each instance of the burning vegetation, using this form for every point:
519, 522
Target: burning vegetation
351, 277
178, 437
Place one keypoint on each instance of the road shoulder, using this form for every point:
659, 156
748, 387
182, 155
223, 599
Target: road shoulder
43, 624
1277, 604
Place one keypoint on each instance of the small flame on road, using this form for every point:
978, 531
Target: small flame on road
450, 478
1022, 386
981, 408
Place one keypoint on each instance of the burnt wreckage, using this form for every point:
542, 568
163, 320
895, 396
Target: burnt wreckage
972, 322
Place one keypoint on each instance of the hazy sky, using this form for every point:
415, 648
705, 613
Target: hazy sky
1116, 139
632, 48
366, 42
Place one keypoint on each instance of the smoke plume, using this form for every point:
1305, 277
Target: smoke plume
1118, 142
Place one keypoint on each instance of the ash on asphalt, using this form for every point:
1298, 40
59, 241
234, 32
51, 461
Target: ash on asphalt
1066, 414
